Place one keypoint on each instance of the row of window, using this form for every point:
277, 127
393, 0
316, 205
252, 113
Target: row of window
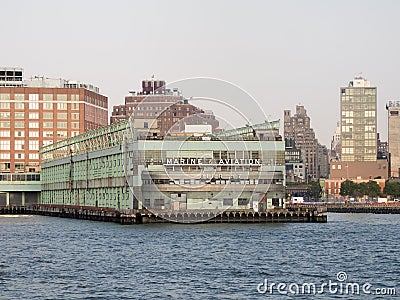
159, 203
6, 124
47, 115
20, 145
367, 128
35, 105
211, 181
19, 156
61, 134
35, 97
369, 150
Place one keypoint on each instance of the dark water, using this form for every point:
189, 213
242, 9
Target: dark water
53, 258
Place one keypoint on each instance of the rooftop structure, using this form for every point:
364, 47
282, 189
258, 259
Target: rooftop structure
11, 77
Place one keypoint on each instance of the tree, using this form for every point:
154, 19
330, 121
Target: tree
392, 188
373, 189
348, 188
361, 189
315, 190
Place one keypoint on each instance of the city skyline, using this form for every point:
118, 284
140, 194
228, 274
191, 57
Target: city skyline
275, 52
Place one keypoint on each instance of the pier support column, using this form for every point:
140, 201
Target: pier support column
7, 199
23, 199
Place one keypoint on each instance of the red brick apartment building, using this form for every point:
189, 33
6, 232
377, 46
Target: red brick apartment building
161, 110
40, 111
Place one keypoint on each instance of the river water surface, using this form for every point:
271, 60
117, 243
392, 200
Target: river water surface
54, 258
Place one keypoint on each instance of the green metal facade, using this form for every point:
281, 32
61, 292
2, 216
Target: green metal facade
94, 169
86, 170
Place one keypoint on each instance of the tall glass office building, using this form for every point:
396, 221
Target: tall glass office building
358, 121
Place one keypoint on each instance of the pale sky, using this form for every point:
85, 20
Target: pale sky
281, 52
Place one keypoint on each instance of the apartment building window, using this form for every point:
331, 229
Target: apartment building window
48, 115
33, 133
4, 145
19, 105
75, 106
4, 115
74, 133
75, 97
4, 124
48, 106
61, 106
46, 143
4, 105
33, 155
19, 97
62, 116
19, 115
62, 134
62, 97
75, 116
75, 125
4, 155
47, 133
33, 124
19, 145
19, 133
62, 124
19, 124
47, 97
5, 166
33, 97
4, 133
19, 166
34, 116
19, 156
33, 145
4, 96
33, 105
48, 125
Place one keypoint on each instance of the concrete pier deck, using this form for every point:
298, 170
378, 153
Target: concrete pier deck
317, 215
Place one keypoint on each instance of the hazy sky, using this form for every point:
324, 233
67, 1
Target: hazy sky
282, 52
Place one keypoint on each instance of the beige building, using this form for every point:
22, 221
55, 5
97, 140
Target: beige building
297, 127
393, 108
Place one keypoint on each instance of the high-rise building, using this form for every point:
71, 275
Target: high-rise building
157, 109
358, 121
41, 111
298, 128
336, 144
323, 161
359, 159
393, 108
295, 170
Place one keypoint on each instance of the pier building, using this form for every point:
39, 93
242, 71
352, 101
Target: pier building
112, 167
